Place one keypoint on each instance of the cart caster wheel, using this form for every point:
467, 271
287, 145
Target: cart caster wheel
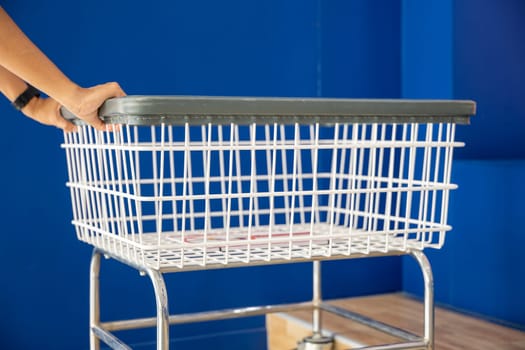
316, 342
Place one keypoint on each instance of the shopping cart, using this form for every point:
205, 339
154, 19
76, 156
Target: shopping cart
190, 183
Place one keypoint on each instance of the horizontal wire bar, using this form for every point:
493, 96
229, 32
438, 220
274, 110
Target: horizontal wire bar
391, 182
422, 224
431, 186
263, 146
171, 243
207, 316
383, 327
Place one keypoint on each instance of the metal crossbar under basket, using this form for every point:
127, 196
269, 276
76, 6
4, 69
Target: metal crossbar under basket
186, 183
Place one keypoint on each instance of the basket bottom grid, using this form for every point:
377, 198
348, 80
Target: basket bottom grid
193, 251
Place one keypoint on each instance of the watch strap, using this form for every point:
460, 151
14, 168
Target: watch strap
23, 99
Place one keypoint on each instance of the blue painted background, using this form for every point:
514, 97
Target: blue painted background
205, 47
358, 48
476, 50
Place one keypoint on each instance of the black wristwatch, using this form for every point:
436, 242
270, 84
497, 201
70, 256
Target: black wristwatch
23, 99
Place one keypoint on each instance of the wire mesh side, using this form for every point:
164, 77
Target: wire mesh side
219, 194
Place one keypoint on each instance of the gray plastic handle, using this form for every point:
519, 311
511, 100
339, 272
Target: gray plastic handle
154, 110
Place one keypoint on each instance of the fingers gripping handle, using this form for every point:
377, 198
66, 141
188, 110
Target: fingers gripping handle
67, 115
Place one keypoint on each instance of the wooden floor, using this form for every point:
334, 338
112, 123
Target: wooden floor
453, 331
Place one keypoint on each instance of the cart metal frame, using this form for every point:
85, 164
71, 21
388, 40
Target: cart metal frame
102, 330
171, 110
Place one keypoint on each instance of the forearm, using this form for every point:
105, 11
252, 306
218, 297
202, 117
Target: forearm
42, 110
11, 85
23, 59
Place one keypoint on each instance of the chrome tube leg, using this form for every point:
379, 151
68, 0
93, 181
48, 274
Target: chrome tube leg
429, 297
161, 297
317, 341
316, 317
94, 300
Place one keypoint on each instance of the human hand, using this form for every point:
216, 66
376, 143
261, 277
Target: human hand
85, 102
47, 112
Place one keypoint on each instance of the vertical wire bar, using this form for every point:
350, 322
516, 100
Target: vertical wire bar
121, 210
68, 143
137, 142
239, 177
79, 192
389, 187
127, 180
72, 160
410, 178
360, 220
116, 193
425, 182
436, 180
107, 184
104, 184
85, 176
285, 176
256, 197
300, 179
451, 128
114, 171
172, 177
272, 189
89, 197
207, 205
84, 171
315, 199
316, 178
340, 175
352, 186
187, 155
189, 179
420, 218
193, 187
379, 178
91, 179
138, 180
401, 177
331, 198
230, 190
99, 188
112, 155
101, 195
133, 159
103, 236
293, 193
222, 176
155, 182
370, 183
121, 166
106, 241
253, 188
269, 149
160, 199
205, 154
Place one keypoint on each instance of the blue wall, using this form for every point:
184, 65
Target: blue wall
380, 48
475, 50
206, 47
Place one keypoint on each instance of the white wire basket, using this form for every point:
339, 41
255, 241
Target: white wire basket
190, 183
